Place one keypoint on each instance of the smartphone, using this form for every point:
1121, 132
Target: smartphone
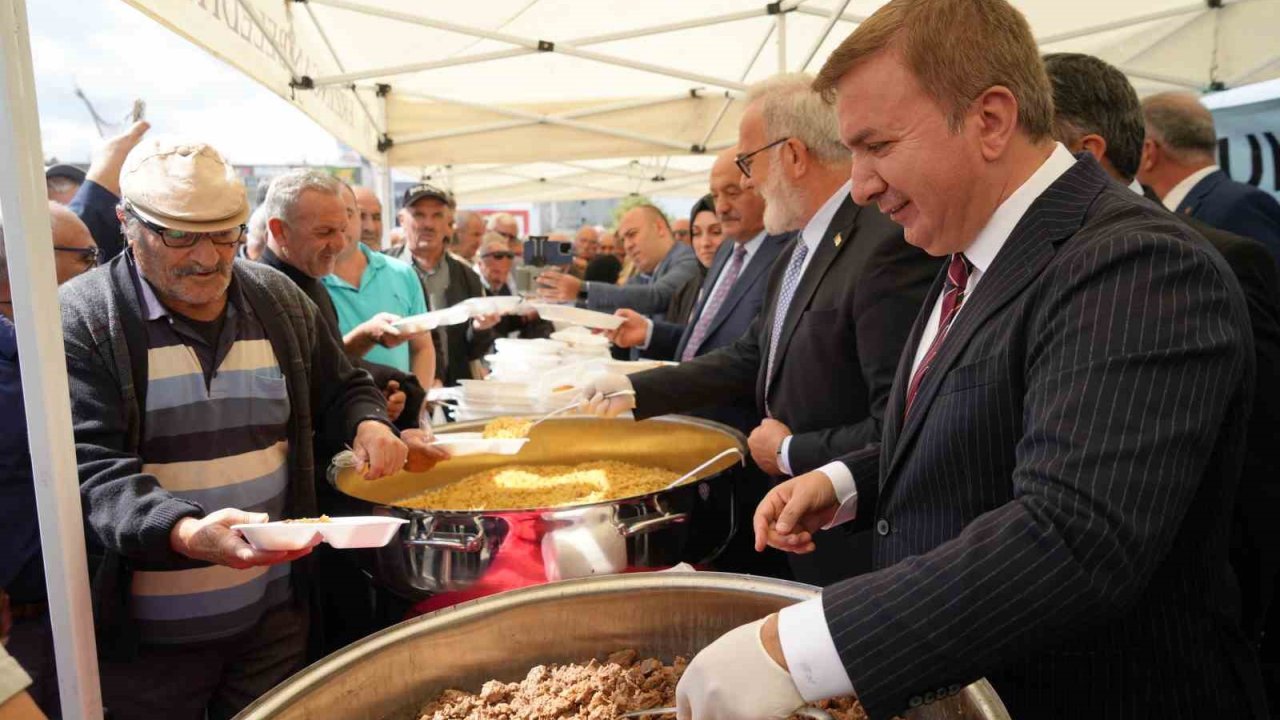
539, 251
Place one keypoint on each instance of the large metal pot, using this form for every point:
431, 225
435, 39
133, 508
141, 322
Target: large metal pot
395, 672
445, 551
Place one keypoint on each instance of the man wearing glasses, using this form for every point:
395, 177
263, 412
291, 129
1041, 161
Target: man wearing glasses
494, 263
197, 384
820, 358
21, 565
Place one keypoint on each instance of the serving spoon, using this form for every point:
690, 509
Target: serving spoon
575, 406
720, 456
808, 712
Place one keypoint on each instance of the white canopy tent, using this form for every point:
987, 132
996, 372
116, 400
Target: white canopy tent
538, 100
502, 100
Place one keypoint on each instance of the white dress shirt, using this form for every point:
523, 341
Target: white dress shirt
1179, 192
806, 641
811, 235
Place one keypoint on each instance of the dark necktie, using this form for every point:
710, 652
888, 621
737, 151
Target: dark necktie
712, 307
952, 297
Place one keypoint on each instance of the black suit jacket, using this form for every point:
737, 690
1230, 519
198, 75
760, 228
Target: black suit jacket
1054, 513
840, 343
1255, 543
1235, 206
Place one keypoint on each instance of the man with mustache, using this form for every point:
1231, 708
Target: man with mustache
197, 384
820, 357
427, 219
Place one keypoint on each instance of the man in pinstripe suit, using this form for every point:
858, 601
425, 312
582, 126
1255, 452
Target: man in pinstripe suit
1051, 497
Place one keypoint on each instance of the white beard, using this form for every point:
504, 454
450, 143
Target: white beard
784, 205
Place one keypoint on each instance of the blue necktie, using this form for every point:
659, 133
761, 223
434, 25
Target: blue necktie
709, 311
790, 281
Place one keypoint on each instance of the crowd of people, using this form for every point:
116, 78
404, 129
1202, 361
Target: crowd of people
1002, 337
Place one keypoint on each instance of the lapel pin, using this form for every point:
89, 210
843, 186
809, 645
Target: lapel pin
839, 239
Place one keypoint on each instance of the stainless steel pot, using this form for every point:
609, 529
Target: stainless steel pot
396, 672
444, 551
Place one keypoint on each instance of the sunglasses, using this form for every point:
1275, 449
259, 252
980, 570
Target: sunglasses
179, 239
743, 160
499, 255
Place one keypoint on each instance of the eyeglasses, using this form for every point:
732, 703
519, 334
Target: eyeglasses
178, 239
499, 255
743, 160
87, 256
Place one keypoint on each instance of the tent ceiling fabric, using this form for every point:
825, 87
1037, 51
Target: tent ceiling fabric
510, 82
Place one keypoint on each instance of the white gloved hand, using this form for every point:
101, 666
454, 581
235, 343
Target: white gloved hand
734, 678
594, 392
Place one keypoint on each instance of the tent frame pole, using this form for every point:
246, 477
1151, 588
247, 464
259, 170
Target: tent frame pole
1121, 24
511, 124
837, 12
337, 61
819, 12
45, 388
552, 120
780, 25
566, 48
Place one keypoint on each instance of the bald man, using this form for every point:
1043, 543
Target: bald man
370, 218
1178, 164
21, 568
647, 235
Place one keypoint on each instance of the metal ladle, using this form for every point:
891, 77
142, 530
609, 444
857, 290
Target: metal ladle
575, 406
808, 712
731, 451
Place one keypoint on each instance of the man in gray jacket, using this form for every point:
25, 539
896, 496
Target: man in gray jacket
196, 385
649, 240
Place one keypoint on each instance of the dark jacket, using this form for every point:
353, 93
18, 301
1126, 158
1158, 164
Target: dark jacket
21, 571
840, 343
1255, 542
649, 297
96, 208
1054, 513
414, 393
128, 515
462, 344
1242, 209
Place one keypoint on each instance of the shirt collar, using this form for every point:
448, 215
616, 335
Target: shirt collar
984, 248
754, 243
374, 262
816, 228
1136, 186
1183, 188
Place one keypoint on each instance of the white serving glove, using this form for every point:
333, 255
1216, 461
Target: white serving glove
734, 678
594, 392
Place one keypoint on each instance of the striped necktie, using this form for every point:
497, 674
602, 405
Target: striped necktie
790, 281
952, 297
709, 311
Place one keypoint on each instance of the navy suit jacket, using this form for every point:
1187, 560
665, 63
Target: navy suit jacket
736, 313
1054, 513
1243, 209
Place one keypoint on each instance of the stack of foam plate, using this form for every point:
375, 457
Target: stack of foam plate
486, 398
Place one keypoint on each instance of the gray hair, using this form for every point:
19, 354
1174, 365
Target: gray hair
791, 108
287, 189
258, 223
1091, 97
1178, 121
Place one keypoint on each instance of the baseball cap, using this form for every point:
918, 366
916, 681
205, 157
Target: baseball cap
183, 186
427, 190
71, 172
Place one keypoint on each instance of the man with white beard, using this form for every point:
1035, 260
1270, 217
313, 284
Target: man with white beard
821, 356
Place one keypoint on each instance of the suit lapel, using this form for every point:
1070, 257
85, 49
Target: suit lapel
755, 271
704, 293
843, 224
902, 377
1054, 216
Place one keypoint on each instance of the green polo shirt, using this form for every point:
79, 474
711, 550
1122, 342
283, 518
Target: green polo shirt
387, 285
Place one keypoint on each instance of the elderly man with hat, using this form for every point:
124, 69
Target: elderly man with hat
196, 385
427, 219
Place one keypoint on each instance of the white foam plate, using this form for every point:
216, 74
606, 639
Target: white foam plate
340, 532
577, 316
582, 340
473, 443
455, 315
499, 304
